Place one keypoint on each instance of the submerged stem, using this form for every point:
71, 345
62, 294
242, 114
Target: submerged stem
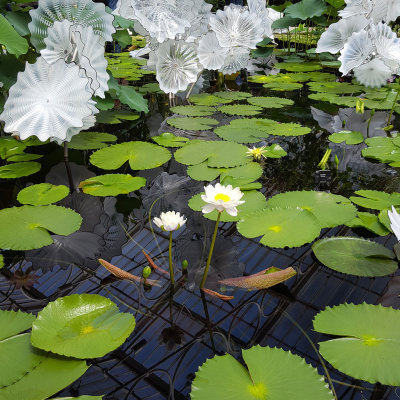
68, 167
171, 268
203, 281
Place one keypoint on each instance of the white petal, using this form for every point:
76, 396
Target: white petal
158, 222
208, 208
373, 74
232, 211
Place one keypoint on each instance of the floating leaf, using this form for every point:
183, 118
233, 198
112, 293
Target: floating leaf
240, 134
329, 209
336, 87
240, 109
288, 129
1, 261
205, 99
81, 326
233, 95
14, 322
167, 139
141, 155
26, 227
376, 200
280, 227
368, 221
111, 184
368, 347
18, 170
91, 140
217, 154
348, 101
349, 137
384, 149
79, 398
9, 146
42, 194
152, 87
274, 151
259, 382
254, 200
24, 157
355, 256
298, 67
192, 123
270, 102
194, 111
116, 117
282, 86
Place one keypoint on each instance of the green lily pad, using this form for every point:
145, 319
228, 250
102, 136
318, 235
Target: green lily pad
254, 200
298, 67
17, 170
91, 140
194, 111
258, 382
81, 326
141, 155
280, 227
116, 117
240, 109
9, 146
240, 134
42, 194
336, 87
217, 154
24, 157
283, 86
383, 149
26, 227
330, 209
274, 151
349, 137
348, 101
270, 102
33, 141
288, 129
152, 87
383, 218
376, 200
111, 184
306, 9
369, 221
192, 123
79, 398
369, 344
355, 256
233, 95
14, 322
1, 261
205, 99
168, 139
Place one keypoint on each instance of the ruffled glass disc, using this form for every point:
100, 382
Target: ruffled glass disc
374, 73
236, 59
258, 7
235, 26
124, 9
82, 12
199, 22
211, 54
47, 100
177, 66
356, 7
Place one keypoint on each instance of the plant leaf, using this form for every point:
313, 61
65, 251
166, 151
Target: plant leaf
167, 139
240, 109
349, 137
14, 322
192, 123
111, 184
17, 170
42, 194
194, 111
91, 140
14, 43
376, 200
270, 102
205, 99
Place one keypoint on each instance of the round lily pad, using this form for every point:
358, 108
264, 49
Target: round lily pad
349, 137
288, 129
298, 67
258, 382
42, 194
193, 111
240, 134
10, 146
168, 139
283, 86
26, 227
375, 200
270, 102
355, 256
205, 99
240, 109
368, 347
280, 227
91, 140
111, 184
233, 95
20, 169
1, 261
192, 123
329, 209
116, 117
81, 326
336, 87
141, 155
14, 322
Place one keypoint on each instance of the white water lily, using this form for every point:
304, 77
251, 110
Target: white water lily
395, 222
170, 221
222, 198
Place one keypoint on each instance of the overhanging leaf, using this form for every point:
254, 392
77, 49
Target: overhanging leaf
14, 43
306, 9
167, 139
42, 194
111, 184
91, 140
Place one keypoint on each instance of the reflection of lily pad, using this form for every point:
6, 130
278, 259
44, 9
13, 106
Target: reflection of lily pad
193, 111
368, 347
349, 137
192, 123
280, 227
375, 200
81, 326
111, 184
140, 155
355, 256
270, 102
233, 95
259, 382
91, 140
42, 194
167, 139
205, 99
19, 169
240, 109
26, 227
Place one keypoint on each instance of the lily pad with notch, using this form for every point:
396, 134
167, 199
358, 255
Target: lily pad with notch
42, 194
233, 95
298, 67
167, 139
116, 117
91, 140
240, 134
111, 184
370, 222
349, 137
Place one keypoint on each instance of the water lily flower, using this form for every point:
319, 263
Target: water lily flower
256, 152
170, 221
222, 198
394, 217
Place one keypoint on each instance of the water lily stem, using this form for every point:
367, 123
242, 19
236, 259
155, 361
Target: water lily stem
68, 168
171, 268
210, 253
391, 111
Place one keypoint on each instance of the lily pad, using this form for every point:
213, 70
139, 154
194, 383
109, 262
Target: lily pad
240, 109
205, 99
330, 210
14, 322
283, 86
368, 347
17, 170
240, 134
355, 256
254, 200
298, 67
336, 87
111, 184
257, 380
193, 111
9, 146
348, 101
233, 95
140, 155
42, 194
81, 326
349, 137
24, 157
383, 149
217, 154
168, 139
91, 140
288, 129
270, 102
1, 261
376, 200
79, 398
192, 123
274, 151
116, 117
26, 227
280, 227
369, 221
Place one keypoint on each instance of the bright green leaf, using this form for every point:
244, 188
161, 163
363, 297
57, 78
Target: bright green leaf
91, 140
193, 111
14, 322
167, 139
270, 102
18, 170
112, 184
205, 99
14, 43
42, 194
192, 123
349, 137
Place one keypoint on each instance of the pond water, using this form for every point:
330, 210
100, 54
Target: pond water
176, 332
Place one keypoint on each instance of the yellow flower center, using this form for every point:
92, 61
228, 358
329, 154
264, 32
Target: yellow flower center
258, 390
275, 228
223, 197
87, 329
371, 341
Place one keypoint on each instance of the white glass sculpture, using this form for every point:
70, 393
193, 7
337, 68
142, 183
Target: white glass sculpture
211, 54
82, 12
258, 7
235, 26
177, 65
47, 100
356, 7
199, 22
236, 59
124, 9
374, 73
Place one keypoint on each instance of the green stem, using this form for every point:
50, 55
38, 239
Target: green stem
391, 111
171, 269
203, 281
